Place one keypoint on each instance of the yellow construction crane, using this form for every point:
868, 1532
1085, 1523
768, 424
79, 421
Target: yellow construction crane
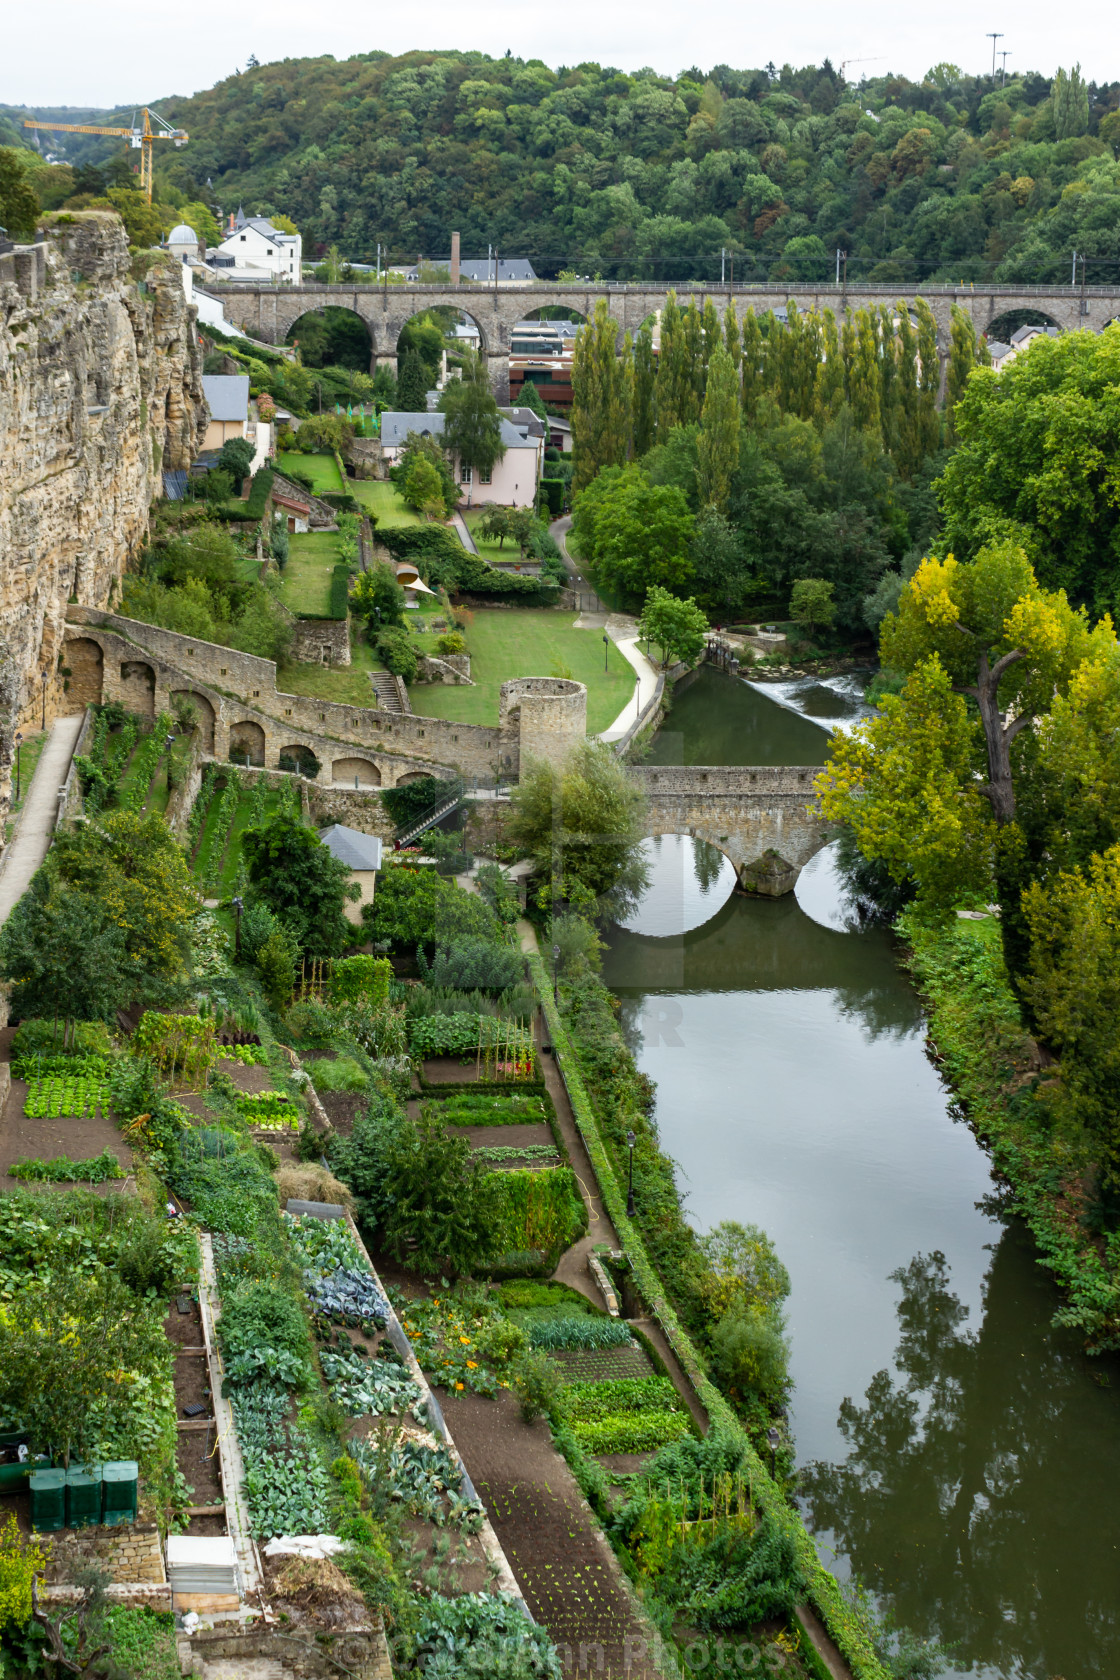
139, 136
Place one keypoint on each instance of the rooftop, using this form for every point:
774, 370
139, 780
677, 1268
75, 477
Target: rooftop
227, 395
480, 269
396, 427
350, 846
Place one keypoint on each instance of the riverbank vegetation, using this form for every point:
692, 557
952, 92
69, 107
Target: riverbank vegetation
990, 778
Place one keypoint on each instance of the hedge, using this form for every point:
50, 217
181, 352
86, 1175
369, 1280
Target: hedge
452, 565
259, 493
824, 1592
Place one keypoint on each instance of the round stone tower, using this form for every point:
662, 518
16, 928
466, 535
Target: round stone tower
540, 718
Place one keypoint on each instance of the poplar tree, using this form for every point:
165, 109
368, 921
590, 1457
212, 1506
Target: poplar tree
713, 336
863, 372
782, 345
828, 395
732, 338
753, 366
645, 390
602, 389
672, 370
888, 376
692, 391
929, 423
806, 361
907, 401
962, 359
717, 444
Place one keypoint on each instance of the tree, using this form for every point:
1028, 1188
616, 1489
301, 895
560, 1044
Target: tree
19, 203
645, 385
963, 357
583, 826
495, 524
529, 397
678, 627
422, 488
642, 535
905, 782
413, 383
442, 1211
753, 365
472, 425
811, 603
1070, 102
861, 364
424, 447
1007, 644
602, 396
1074, 989
72, 1350
717, 560
236, 457
293, 873
1035, 462
65, 956
717, 446
676, 394
378, 598
142, 221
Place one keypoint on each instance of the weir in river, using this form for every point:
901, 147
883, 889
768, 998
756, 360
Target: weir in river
957, 1452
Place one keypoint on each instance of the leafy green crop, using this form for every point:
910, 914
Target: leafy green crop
62, 1170
80, 1094
579, 1333
631, 1432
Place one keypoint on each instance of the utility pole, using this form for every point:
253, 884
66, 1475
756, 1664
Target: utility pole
1073, 274
723, 265
1003, 67
994, 35
379, 262
838, 255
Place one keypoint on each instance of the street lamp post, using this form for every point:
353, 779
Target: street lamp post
236, 903
170, 744
19, 738
631, 1140
556, 975
775, 1441
44, 676
606, 649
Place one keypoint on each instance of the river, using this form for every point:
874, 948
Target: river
957, 1452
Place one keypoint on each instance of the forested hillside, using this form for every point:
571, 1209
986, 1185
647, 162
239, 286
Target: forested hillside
641, 176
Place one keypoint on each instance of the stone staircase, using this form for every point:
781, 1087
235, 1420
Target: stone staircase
388, 693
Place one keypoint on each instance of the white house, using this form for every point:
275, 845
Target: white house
254, 251
513, 482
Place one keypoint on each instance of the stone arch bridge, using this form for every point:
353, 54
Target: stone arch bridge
268, 312
764, 818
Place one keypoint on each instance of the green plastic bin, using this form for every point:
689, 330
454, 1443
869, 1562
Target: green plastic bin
48, 1500
119, 1491
83, 1495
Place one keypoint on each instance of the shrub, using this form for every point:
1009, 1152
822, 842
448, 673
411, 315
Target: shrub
344, 1074
536, 1382
539, 1210
396, 652
502, 1342
475, 965
751, 1353
452, 641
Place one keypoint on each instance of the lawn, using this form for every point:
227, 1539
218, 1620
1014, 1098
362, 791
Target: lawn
323, 469
530, 643
306, 581
488, 547
383, 502
349, 685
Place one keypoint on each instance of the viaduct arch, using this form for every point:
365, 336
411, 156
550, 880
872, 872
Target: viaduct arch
267, 312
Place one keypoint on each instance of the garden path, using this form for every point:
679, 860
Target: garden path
571, 1580
32, 839
462, 531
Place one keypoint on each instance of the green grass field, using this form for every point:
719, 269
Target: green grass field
489, 547
382, 501
227, 842
323, 469
306, 581
530, 643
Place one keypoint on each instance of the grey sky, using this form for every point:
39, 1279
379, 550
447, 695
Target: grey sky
118, 51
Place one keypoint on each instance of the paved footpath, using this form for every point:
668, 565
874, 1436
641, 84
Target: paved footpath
37, 819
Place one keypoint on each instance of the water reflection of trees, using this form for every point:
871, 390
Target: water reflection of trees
707, 861
979, 1498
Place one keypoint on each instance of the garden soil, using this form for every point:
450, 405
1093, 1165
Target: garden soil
571, 1580
22, 1139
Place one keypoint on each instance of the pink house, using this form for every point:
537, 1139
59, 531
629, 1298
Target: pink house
513, 482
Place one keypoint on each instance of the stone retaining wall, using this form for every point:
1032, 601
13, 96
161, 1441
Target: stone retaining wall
132, 1553
321, 641
312, 1653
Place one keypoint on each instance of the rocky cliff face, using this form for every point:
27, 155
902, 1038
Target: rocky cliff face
100, 389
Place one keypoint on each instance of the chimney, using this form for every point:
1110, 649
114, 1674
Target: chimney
455, 259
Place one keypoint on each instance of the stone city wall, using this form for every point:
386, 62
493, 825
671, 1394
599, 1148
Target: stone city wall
321, 641
131, 1554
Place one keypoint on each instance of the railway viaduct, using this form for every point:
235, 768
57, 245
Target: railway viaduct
269, 312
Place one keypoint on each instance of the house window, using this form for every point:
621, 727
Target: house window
464, 474
484, 477
242, 239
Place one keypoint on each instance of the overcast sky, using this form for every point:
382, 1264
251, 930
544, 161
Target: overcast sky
112, 52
